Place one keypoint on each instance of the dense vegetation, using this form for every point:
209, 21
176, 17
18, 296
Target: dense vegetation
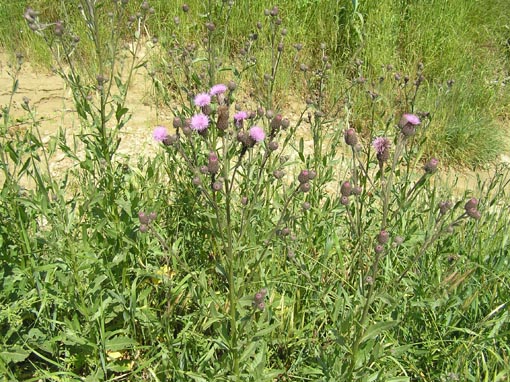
254, 246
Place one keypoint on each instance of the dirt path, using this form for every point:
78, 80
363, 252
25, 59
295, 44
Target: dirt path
53, 104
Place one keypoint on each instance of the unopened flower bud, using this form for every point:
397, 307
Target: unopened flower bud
344, 200
143, 217
185, 8
59, 28
153, 216
213, 165
378, 249
143, 228
171, 140
345, 188
177, 122
306, 206
276, 122
305, 187
231, 85
244, 200
222, 122
431, 166
273, 145
350, 137
398, 240
473, 213
444, 207
217, 186
471, 203
304, 176
278, 174
383, 237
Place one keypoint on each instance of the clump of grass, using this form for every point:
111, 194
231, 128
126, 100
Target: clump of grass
235, 253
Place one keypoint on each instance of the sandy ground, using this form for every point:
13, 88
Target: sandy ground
52, 101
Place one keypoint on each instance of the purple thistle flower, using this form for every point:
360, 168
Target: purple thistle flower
160, 133
218, 89
381, 144
411, 119
202, 99
257, 134
240, 116
199, 122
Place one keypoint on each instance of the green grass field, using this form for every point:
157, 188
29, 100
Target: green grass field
253, 246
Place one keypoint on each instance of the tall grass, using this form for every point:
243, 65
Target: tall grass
236, 253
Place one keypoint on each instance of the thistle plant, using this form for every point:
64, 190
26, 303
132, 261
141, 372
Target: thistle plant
236, 251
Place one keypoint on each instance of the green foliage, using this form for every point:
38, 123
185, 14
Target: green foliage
228, 257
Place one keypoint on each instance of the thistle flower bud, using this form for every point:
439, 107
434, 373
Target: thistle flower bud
474, 213
153, 215
185, 8
285, 123
350, 137
273, 146
170, 140
346, 188
305, 187
231, 85
59, 29
217, 186
304, 176
143, 217
143, 228
213, 165
378, 249
276, 122
222, 122
383, 237
306, 206
312, 174
261, 306
344, 201
197, 181
431, 166
471, 203
244, 201
356, 190
177, 123
444, 206
398, 240
278, 174
210, 26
